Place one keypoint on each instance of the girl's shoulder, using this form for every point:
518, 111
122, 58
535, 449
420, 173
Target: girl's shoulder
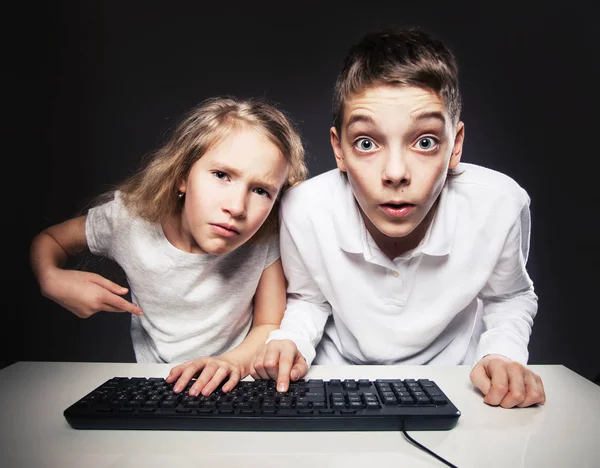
114, 204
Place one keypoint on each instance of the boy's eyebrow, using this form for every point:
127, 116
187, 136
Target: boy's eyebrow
356, 118
428, 114
236, 173
415, 116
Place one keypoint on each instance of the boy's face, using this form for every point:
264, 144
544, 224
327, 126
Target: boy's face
230, 192
396, 145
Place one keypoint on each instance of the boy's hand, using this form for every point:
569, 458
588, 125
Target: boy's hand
213, 370
279, 360
85, 293
507, 383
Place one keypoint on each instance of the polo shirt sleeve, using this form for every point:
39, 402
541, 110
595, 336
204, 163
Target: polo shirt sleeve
307, 310
509, 301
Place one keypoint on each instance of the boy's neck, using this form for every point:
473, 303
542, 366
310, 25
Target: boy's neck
393, 247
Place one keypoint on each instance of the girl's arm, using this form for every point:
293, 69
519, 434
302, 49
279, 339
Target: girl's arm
80, 292
269, 306
52, 247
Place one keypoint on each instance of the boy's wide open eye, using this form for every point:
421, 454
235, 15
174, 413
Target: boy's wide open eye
427, 143
365, 144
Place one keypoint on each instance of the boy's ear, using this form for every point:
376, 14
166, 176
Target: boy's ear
458, 145
337, 149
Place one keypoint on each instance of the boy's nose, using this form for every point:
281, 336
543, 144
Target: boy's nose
395, 171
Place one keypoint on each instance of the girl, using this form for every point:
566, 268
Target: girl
195, 231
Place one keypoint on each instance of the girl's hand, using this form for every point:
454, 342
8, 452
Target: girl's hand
213, 370
85, 293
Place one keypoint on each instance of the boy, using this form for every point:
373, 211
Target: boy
403, 255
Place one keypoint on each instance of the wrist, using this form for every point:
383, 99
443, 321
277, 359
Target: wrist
489, 357
235, 360
47, 279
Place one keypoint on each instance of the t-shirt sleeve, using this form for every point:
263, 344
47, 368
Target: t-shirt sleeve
273, 252
102, 225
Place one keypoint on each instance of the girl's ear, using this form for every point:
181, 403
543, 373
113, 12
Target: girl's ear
182, 187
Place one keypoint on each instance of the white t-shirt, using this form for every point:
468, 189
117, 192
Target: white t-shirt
194, 304
464, 292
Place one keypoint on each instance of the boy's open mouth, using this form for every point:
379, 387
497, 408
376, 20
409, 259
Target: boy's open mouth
397, 210
397, 205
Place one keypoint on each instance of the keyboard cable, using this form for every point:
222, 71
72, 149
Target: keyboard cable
430, 452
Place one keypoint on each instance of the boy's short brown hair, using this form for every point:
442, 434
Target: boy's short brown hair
405, 57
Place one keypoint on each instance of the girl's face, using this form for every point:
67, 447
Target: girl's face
230, 192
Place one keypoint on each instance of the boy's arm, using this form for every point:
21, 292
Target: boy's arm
269, 304
307, 310
509, 307
80, 292
509, 301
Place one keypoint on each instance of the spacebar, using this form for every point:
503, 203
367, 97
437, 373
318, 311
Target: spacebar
286, 412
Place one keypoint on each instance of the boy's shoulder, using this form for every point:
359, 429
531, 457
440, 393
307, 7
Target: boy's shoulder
317, 191
479, 180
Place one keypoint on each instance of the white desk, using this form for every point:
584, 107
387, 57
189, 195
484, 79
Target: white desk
565, 432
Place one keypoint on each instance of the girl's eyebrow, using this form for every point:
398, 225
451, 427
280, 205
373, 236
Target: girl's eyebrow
267, 186
225, 168
236, 173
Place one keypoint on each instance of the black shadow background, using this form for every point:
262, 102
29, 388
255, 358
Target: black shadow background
95, 85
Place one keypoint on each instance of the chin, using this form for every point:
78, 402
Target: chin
395, 231
217, 248
396, 234
223, 250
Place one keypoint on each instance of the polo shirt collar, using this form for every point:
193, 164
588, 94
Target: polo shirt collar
349, 223
440, 235
347, 218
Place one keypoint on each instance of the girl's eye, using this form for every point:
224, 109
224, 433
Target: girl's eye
426, 143
261, 192
220, 175
365, 144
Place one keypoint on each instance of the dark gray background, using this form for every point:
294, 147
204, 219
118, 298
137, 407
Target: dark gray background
99, 83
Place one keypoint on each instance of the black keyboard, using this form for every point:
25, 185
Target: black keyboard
309, 405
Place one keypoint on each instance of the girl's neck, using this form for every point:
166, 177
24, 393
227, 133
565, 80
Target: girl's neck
178, 235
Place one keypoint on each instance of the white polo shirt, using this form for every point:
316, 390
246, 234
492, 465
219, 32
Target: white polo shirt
462, 293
